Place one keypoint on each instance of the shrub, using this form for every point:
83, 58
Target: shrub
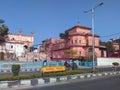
95, 71
15, 70
51, 74
82, 58
74, 66
115, 63
4, 78
72, 72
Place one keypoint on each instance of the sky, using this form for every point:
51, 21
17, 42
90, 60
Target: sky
48, 18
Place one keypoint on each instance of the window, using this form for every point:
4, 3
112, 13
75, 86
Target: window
75, 41
13, 39
80, 52
11, 46
79, 41
72, 41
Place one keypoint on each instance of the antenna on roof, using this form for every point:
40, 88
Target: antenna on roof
78, 24
32, 33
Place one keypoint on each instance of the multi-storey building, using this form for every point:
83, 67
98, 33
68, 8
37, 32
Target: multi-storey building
27, 40
79, 39
16, 45
116, 52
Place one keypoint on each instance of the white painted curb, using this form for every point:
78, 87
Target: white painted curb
40, 81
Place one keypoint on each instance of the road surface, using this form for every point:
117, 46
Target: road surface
104, 83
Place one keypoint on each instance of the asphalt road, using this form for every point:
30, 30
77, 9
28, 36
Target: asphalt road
106, 83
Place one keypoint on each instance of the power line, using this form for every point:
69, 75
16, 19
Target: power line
110, 35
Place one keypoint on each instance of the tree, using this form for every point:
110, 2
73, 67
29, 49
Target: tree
71, 52
3, 35
115, 64
82, 58
64, 35
3, 31
117, 41
15, 69
109, 47
1, 21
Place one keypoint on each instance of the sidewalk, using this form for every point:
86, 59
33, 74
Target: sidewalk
83, 67
108, 66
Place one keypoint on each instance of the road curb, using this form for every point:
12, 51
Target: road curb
22, 70
47, 80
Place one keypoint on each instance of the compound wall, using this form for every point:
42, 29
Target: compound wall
107, 61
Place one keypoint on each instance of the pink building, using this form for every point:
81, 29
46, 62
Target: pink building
116, 46
16, 45
79, 39
27, 40
116, 52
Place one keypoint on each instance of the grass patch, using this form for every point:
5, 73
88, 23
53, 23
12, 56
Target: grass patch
51, 74
95, 71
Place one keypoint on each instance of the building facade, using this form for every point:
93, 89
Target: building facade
16, 46
27, 40
116, 52
79, 39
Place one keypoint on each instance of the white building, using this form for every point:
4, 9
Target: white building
12, 50
16, 48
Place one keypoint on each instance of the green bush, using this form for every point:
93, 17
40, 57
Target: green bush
74, 66
4, 78
10, 78
82, 58
72, 72
115, 63
95, 71
15, 70
51, 74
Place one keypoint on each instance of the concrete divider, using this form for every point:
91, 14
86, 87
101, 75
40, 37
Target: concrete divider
4, 85
82, 76
88, 75
25, 82
53, 80
46, 80
41, 81
74, 77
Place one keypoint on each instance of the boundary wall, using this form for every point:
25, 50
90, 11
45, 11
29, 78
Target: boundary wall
107, 61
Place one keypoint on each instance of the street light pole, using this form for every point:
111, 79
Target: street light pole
93, 51
93, 46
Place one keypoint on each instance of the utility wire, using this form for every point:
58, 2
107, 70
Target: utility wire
110, 35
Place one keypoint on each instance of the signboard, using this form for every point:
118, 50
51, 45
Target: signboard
53, 68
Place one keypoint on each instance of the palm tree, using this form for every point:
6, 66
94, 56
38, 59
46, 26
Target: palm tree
3, 32
3, 35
